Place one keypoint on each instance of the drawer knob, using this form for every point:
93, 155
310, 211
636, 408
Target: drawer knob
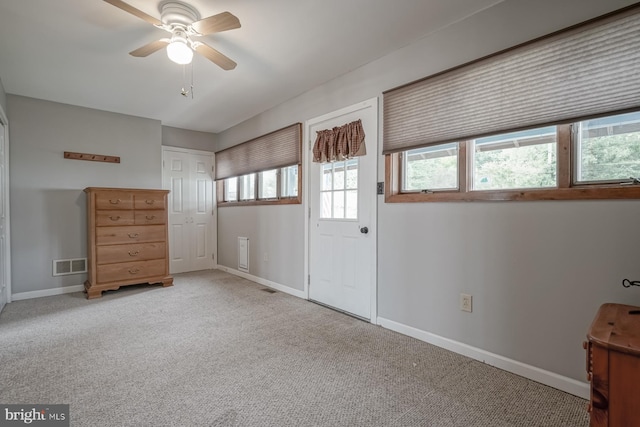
114, 202
133, 253
133, 235
149, 202
134, 270
150, 217
114, 218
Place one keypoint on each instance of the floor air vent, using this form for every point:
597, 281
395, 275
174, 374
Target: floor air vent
271, 291
63, 267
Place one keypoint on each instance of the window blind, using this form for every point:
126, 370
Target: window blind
585, 71
273, 150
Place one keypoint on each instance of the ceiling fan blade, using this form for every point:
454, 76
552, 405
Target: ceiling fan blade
136, 12
214, 56
214, 24
150, 48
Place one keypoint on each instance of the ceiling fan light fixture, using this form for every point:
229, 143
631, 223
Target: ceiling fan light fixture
179, 51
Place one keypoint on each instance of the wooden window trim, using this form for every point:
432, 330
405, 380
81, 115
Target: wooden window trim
260, 202
565, 190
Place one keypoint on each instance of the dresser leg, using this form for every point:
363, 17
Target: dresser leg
167, 282
91, 293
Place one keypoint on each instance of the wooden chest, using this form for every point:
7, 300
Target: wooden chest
127, 238
613, 366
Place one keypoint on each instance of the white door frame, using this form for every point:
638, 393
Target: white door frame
214, 246
5, 121
306, 203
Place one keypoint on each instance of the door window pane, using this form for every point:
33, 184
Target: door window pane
335, 201
352, 174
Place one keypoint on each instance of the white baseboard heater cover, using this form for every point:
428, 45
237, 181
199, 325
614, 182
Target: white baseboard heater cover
243, 254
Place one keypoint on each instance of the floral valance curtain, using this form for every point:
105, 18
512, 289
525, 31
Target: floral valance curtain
339, 143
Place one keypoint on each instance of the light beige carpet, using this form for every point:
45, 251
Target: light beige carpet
217, 350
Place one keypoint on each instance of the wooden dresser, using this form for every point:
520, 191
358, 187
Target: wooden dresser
127, 238
613, 366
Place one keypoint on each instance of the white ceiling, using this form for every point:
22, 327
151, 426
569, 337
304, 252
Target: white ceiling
76, 52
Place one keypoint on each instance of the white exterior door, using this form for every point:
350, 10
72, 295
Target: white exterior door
4, 243
192, 231
342, 219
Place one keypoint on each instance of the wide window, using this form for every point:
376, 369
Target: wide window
264, 170
273, 186
549, 119
536, 164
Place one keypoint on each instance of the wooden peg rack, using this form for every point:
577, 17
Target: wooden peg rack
91, 157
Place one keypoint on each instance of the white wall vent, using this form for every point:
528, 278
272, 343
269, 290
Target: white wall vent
63, 267
243, 254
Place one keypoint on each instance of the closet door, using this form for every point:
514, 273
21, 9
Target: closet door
188, 176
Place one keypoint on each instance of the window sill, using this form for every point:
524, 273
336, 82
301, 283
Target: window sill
591, 192
287, 201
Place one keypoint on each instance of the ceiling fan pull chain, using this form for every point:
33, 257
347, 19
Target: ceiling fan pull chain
192, 80
183, 91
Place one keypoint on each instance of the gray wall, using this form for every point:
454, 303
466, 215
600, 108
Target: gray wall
192, 139
48, 212
537, 271
3, 98
277, 231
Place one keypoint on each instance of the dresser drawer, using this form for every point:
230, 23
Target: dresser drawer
151, 200
149, 217
127, 253
116, 217
127, 271
114, 200
130, 234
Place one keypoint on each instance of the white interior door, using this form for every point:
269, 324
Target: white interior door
342, 220
192, 232
4, 244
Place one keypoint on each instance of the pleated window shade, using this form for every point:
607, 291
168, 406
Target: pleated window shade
274, 150
585, 71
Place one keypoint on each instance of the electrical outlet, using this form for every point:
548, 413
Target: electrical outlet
266, 257
465, 302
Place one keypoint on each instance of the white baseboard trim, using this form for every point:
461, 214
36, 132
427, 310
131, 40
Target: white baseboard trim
47, 292
551, 379
277, 286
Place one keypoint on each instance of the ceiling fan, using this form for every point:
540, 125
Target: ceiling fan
184, 23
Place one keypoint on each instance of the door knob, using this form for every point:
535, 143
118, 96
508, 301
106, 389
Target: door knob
364, 230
